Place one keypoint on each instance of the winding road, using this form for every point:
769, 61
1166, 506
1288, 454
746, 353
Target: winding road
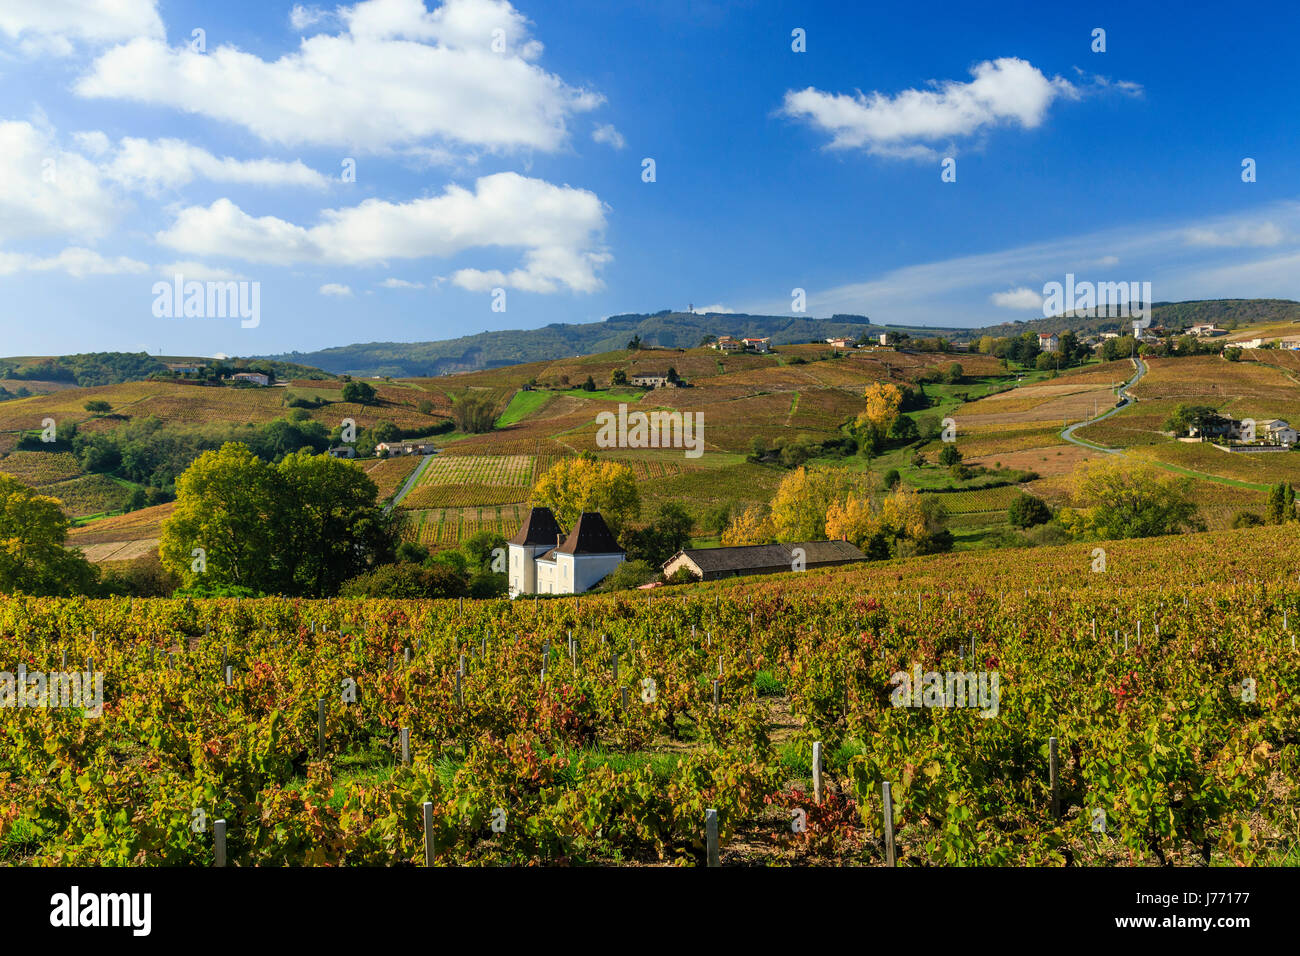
1126, 400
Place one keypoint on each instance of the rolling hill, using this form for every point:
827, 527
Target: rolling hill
515, 346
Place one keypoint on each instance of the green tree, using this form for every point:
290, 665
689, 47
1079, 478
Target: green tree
98, 407
1281, 503
618, 378
33, 559
359, 393
475, 414
1026, 510
301, 527
1114, 499
949, 455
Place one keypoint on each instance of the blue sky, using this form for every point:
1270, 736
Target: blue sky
502, 147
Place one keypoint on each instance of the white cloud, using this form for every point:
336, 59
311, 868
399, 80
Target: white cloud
333, 288
169, 163
304, 17
607, 134
401, 284
46, 190
955, 291
1021, 298
1004, 91
708, 309
74, 261
96, 21
558, 227
199, 271
1244, 234
398, 75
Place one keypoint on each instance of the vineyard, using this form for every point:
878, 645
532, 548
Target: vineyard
600, 729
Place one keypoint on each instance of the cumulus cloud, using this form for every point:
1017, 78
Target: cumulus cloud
74, 261
1021, 298
51, 25
713, 309
395, 75
152, 165
401, 284
1006, 91
46, 190
607, 134
558, 227
333, 288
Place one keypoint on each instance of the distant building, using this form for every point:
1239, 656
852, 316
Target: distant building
884, 338
649, 381
725, 343
255, 378
544, 561
1279, 432
343, 451
1290, 342
1049, 341
1250, 344
758, 345
710, 564
185, 368
840, 343
1206, 329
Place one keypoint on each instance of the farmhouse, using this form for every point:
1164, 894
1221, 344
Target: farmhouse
710, 564
254, 378
758, 345
342, 451
649, 381
1049, 341
840, 343
1206, 329
185, 368
725, 343
1279, 432
544, 561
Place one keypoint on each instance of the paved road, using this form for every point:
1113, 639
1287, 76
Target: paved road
408, 485
1126, 400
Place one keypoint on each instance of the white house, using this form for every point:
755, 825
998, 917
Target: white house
758, 345
840, 342
1049, 341
1279, 432
256, 378
544, 561
649, 381
1206, 329
725, 343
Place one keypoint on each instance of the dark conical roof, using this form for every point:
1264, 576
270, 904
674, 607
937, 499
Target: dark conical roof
540, 527
590, 536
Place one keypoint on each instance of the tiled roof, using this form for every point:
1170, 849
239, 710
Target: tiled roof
540, 527
590, 536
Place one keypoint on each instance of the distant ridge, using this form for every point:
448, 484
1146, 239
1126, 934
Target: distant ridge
666, 329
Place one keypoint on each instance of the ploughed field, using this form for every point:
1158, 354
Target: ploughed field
1179, 745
